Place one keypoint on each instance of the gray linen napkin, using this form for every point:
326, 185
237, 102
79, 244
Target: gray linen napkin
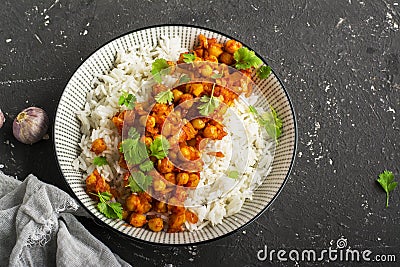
38, 228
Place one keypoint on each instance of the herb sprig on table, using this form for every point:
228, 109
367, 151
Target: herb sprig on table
386, 181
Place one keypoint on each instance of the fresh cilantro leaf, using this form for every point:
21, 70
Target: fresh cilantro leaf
210, 103
188, 58
159, 147
100, 161
263, 72
127, 100
164, 97
134, 151
158, 67
139, 182
386, 181
135, 188
270, 121
233, 174
102, 207
246, 59
105, 196
184, 79
112, 210
133, 133
117, 208
146, 166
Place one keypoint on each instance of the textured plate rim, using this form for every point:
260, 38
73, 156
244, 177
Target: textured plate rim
101, 223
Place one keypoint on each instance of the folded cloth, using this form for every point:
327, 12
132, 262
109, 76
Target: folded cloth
38, 228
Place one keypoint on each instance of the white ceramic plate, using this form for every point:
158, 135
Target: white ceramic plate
67, 136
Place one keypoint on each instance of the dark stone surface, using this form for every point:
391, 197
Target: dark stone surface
339, 61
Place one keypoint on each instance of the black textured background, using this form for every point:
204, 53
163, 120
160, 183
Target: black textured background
339, 61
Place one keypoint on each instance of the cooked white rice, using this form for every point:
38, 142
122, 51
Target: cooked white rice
245, 147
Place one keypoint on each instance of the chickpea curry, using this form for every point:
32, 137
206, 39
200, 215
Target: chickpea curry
177, 127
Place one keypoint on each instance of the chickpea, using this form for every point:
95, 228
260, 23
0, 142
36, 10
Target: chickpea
132, 202
148, 141
151, 122
144, 197
212, 59
167, 128
98, 146
211, 132
161, 109
175, 222
143, 207
232, 46
198, 124
196, 153
214, 50
96, 183
185, 153
194, 180
182, 178
125, 214
165, 165
160, 206
226, 58
170, 177
206, 71
159, 185
177, 95
137, 220
156, 224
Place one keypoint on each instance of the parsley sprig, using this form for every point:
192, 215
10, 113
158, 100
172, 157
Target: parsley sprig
139, 182
134, 150
263, 72
386, 181
210, 103
189, 58
127, 100
146, 166
246, 59
164, 97
100, 161
159, 67
112, 210
159, 147
270, 121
